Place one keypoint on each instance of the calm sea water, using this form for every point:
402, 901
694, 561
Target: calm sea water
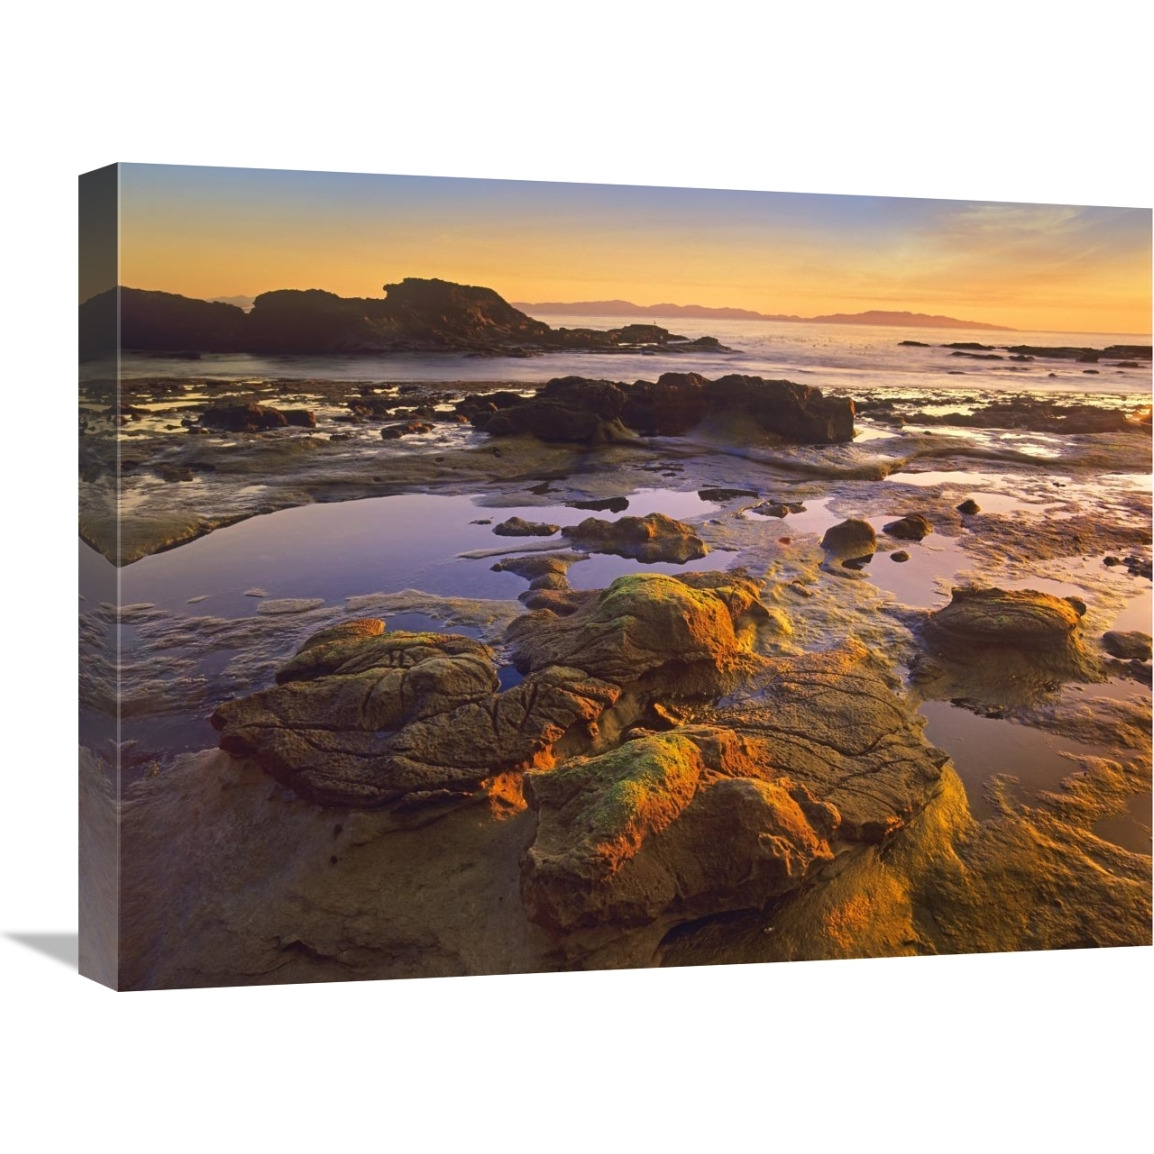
850, 357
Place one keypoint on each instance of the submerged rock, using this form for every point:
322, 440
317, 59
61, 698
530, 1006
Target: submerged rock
649, 539
408, 429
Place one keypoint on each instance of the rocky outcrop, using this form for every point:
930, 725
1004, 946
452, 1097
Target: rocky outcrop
415, 315
566, 409
651, 770
1001, 647
245, 418
649, 539
731, 813
159, 321
592, 411
371, 718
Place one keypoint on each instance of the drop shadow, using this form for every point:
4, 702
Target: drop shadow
60, 947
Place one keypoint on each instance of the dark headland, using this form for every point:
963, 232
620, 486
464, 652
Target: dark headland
417, 315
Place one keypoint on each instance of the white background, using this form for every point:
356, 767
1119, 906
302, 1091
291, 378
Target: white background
990, 101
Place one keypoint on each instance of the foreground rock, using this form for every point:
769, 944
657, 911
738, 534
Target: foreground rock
623, 837
649, 539
372, 719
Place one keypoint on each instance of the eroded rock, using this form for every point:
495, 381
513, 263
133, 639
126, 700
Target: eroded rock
365, 720
850, 539
912, 527
1132, 646
1003, 647
648, 539
687, 819
519, 527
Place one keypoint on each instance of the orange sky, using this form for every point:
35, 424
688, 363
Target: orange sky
208, 232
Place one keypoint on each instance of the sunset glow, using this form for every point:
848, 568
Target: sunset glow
215, 232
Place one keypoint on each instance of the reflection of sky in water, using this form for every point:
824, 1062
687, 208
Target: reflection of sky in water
983, 746
382, 544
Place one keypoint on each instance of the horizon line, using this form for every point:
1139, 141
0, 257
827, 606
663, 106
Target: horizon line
781, 318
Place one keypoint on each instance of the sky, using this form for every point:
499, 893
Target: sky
224, 232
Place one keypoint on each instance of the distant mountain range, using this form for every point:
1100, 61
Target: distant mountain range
704, 312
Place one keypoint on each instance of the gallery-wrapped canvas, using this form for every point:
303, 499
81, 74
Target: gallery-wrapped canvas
487, 577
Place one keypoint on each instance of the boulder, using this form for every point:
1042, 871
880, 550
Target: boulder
784, 409
969, 507
649, 539
300, 418
1021, 619
910, 528
995, 647
685, 819
519, 527
643, 624
849, 540
1132, 646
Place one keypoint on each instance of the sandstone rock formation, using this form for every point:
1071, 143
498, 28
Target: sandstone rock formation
577, 409
373, 719
912, 527
649, 539
1002, 647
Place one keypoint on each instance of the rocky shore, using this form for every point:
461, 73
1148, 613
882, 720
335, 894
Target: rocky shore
715, 751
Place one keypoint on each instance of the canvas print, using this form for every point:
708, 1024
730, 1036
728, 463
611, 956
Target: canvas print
488, 577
